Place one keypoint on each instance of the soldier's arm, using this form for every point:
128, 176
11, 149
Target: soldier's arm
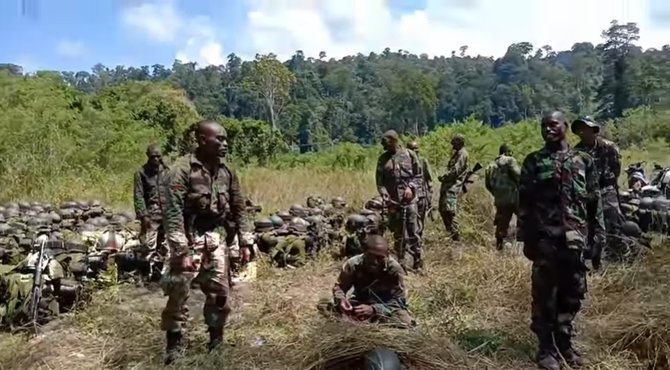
427, 176
379, 177
175, 232
515, 170
595, 206
417, 171
237, 203
460, 166
344, 282
526, 188
487, 178
616, 161
138, 196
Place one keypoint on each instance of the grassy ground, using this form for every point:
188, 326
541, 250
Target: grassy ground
472, 306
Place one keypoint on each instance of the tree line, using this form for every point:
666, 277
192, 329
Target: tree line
315, 102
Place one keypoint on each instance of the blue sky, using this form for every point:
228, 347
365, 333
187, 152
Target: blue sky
76, 34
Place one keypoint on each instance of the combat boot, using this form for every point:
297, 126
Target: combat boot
571, 357
418, 263
174, 347
546, 355
499, 244
215, 338
455, 237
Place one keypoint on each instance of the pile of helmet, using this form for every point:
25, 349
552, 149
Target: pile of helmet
288, 238
359, 225
74, 241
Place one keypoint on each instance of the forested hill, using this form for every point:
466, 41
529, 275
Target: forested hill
320, 101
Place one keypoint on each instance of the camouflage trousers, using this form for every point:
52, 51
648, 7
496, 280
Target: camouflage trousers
152, 235
422, 208
210, 256
558, 287
617, 246
504, 213
448, 206
410, 240
396, 317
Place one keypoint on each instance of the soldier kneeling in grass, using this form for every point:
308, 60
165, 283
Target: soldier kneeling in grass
378, 289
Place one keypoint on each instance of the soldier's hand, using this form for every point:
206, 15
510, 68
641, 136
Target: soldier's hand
182, 264
345, 305
245, 254
364, 310
407, 194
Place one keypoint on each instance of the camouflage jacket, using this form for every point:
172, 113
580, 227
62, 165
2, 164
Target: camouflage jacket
147, 193
197, 201
426, 177
396, 171
457, 169
607, 160
384, 290
559, 198
502, 180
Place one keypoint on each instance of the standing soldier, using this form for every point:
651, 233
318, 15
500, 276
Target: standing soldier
559, 201
426, 195
201, 189
398, 180
148, 200
608, 163
502, 181
452, 182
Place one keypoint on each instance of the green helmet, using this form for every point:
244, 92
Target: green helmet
5, 229
632, 229
297, 210
661, 204
646, 203
24, 205
381, 359
263, 225
374, 204
367, 212
287, 217
69, 204
298, 225
276, 221
356, 222
338, 202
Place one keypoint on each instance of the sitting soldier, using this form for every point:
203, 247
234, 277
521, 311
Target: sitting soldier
378, 288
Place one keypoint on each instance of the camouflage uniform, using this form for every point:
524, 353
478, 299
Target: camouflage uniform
502, 181
426, 193
148, 205
395, 172
559, 200
451, 188
196, 205
607, 160
384, 290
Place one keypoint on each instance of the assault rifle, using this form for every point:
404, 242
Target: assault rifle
37, 286
469, 174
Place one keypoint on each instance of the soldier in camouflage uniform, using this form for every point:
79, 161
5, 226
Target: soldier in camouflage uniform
451, 184
502, 181
559, 201
379, 292
426, 193
201, 187
147, 199
608, 163
398, 179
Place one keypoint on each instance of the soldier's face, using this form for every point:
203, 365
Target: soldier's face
154, 159
376, 257
553, 130
386, 143
585, 133
214, 142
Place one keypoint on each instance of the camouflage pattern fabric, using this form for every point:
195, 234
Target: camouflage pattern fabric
210, 256
559, 200
197, 201
426, 195
383, 289
450, 189
290, 250
397, 171
502, 219
502, 181
147, 193
607, 161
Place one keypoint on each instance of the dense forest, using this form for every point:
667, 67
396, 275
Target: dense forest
316, 102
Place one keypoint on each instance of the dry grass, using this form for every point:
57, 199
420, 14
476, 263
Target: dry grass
472, 306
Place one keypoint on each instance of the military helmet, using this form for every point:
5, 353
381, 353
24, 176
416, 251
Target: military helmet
12, 212
298, 224
366, 212
276, 221
315, 212
66, 213
311, 202
102, 221
627, 208
285, 216
297, 210
94, 203
55, 217
264, 224
2, 209
117, 220
2, 217
45, 216
381, 359
338, 202
646, 203
24, 205
355, 222
30, 213
375, 204
314, 220
650, 191
661, 204
47, 206
38, 209
5, 229
86, 227
624, 195
36, 221
69, 204
13, 205
634, 201
632, 229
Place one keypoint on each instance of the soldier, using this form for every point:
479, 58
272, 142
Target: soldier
559, 201
379, 292
398, 179
452, 182
426, 193
147, 199
200, 188
608, 163
502, 181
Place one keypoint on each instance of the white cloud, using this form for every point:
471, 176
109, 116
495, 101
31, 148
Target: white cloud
195, 38
342, 27
70, 49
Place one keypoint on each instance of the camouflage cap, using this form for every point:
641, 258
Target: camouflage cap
458, 138
587, 121
391, 134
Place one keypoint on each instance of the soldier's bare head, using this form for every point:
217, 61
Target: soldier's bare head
212, 140
154, 155
413, 145
376, 247
504, 149
390, 140
554, 127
